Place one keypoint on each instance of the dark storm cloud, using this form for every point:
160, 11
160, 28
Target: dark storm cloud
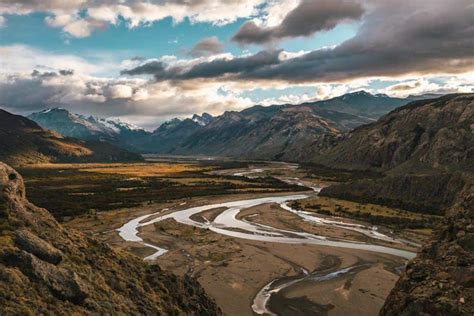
309, 17
395, 38
212, 69
46, 74
66, 72
207, 47
152, 67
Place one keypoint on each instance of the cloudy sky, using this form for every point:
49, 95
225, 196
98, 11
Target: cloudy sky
148, 61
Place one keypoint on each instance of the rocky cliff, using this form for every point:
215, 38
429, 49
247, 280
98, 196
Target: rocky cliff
440, 280
46, 269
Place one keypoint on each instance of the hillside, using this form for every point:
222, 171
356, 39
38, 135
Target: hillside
425, 149
429, 134
46, 269
23, 141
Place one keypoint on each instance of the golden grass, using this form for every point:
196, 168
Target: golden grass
127, 169
75, 149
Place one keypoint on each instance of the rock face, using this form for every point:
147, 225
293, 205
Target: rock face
440, 280
23, 141
46, 269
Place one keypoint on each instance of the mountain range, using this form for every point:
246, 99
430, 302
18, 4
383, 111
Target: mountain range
88, 127
284, 132
24, 141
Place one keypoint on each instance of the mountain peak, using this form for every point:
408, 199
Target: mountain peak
360, 93
82, 126
55, 109
203, 119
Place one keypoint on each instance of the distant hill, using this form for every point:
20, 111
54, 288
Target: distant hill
47, 269
362, 103
23, 141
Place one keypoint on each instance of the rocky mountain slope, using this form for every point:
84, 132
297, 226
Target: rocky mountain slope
47, 269
276, 132
440, 280
282, 132
425, 149
429, 134
23, 141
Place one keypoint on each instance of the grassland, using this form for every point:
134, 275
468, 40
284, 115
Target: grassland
68, 190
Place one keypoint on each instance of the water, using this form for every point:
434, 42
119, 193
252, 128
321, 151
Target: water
226, 223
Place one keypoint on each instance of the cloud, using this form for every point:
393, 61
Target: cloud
406, 38
206, 47
119, 91
135, 100
79, 18
208, 69
454, 84
309, 17
24, 59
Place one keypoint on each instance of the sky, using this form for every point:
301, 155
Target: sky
147, 61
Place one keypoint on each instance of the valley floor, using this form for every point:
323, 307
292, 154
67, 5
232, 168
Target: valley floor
246, 275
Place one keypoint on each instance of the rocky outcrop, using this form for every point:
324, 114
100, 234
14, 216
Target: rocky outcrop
440, 280
46, 269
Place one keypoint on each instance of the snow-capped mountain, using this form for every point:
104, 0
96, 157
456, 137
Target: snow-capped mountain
203, 119
87, 128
